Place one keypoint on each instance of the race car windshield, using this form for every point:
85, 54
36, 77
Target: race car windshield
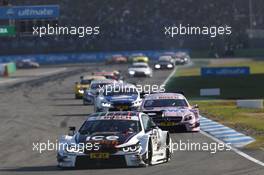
98, 85
124, 91
121, 126
85, 81
139, 66
166, 103
164, 62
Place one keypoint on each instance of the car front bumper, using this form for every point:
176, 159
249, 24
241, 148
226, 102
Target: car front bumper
114, 160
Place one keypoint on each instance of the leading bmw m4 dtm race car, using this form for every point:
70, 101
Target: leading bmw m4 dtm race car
118, 97
115, 139
93, 91
84, 84
171, 110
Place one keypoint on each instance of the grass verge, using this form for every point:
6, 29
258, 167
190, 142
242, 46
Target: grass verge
247, 121
188, 79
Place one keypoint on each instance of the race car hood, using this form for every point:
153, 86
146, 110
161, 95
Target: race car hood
138, 69
116, 138
122, 98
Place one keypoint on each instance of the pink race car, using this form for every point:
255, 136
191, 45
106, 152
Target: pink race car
171, 110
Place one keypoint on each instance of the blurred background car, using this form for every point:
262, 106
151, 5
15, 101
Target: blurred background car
96, 85
164, 62
143, 59
84, 84
117, 59
181, 58
140, 69
27, 64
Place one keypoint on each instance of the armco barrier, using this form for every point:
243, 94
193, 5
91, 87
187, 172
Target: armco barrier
82, 57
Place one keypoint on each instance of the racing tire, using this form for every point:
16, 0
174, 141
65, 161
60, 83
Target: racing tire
168, 153
149, 154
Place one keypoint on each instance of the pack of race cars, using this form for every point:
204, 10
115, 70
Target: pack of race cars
128, 127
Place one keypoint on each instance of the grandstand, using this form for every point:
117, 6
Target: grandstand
138, 25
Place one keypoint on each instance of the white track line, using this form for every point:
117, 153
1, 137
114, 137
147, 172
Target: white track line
235, 150
169, 77
217, 140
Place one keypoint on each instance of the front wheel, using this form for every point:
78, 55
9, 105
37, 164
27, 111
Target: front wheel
148, 160
168, 152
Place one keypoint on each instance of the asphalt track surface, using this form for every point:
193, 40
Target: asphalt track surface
43, 110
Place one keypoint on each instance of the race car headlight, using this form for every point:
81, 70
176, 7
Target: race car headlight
157, 66
188, 117
131, 72
81, 91
132, 148
137, 103
106, 104
147, 72
169, 66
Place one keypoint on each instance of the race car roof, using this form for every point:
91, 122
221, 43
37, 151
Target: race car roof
122, 85
164, 96
118, 115
95, 77
104, 73
103, 81
139, 64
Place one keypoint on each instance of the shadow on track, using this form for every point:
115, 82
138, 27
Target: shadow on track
56, 168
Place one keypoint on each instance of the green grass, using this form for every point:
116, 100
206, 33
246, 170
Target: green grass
190, 81
249, 121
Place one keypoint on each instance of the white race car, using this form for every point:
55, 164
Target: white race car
140, 69
118, 97
91, 93
115, 139
171, 110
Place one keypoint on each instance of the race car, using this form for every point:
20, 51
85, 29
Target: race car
117, 59
171, 110
140, 70
84, 84
181, 58
96, 85
27, 64
115, 75
122, 139
164, 62
118, 97
143, 59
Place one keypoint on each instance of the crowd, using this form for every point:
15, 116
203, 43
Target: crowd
139, 24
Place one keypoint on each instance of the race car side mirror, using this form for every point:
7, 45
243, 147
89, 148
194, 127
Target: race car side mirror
72, 130
195, 106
